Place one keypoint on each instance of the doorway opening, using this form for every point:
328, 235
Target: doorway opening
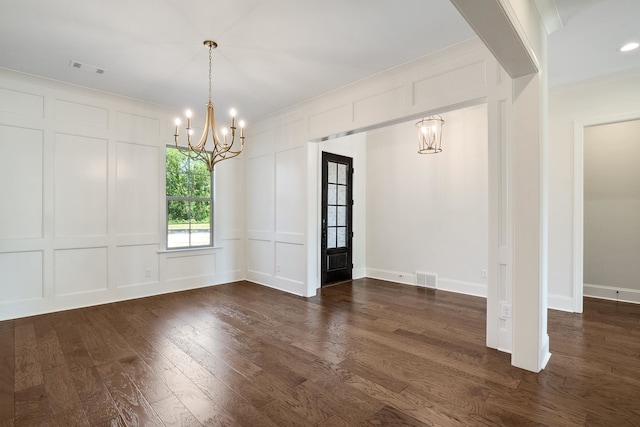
607, 206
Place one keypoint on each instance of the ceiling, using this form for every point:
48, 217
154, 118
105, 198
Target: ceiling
273, 54
587, 45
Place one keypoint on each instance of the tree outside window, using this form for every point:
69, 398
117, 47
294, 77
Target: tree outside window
189, 201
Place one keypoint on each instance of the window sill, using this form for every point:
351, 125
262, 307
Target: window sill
180, 250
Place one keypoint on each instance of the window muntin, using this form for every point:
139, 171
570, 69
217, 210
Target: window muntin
189, 201
336, 205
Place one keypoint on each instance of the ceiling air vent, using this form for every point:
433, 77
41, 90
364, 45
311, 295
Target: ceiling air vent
86, 67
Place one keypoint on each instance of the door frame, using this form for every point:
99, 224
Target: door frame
328, 155
578, 199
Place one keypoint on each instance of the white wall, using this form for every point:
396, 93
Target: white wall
606, 100
429, 213
612, 205
276, 188
83, 207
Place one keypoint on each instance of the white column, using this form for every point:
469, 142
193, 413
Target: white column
530, 340
515, 33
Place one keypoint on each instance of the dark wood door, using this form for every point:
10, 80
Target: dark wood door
337, 218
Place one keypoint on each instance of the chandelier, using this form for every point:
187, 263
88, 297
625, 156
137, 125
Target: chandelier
430, 135
221, 149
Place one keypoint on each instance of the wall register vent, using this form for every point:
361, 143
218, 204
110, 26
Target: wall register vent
428, 280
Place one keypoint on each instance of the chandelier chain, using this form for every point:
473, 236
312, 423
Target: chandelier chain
210, 53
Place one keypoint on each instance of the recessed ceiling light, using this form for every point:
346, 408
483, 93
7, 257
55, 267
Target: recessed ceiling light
629, 46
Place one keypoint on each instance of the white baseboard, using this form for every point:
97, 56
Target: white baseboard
391, 276
34, 307
467, 288
280, 283
612, 293
545, 355
359, 273
554, 302
560, 302
458, 286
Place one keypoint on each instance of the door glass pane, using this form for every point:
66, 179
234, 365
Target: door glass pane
342, 215
331, 237
342, 174
331, 194
342, 195
332, 173
331, 216
342, 237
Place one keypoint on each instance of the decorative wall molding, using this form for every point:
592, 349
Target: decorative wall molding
92, 223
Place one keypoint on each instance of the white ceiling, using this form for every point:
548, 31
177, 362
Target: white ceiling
273, 53
587, 46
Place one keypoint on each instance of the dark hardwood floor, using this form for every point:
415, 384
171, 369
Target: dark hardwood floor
365, 352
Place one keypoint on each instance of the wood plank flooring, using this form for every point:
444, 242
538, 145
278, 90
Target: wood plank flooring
365, 353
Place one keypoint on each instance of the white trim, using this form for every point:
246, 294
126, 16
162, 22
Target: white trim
549, 15
37, 306
359, 273
561, 302
555, 302
392, 276
277, 286
578, 214
460, 287
191, 249
545, 355
578, 199
450, 285
612, 293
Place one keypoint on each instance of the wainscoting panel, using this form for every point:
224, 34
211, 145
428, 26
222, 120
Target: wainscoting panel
330, 121
260, 197
82, 218
21, 103
261, 257
137, 188
79, 271
290, 263
290, 135
22, 276
138, 129
290, 201
465, 79
80, 186
136, 265
21, 172
80, 114
184, 266
377, 107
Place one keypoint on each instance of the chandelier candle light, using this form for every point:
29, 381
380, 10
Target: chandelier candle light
221, 150
430, 135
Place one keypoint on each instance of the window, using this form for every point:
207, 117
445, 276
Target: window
189, 202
